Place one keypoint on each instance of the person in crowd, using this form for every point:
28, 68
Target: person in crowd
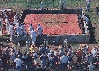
18, 62
70, 58
19, 53
85, 20
23, 30
34, 48
97, 54
33, 36
24, 33
28, 59
43, 59
41, 49
31, 28
91, 67
85, 48
42, 5
79, 56
28, 41
11, 28
56, 58
0, 65
39, 30
88, 5
35, 57
18, 29
13, 55
69, 48
1, 19
22, 26
15, 18
90, 58
1, 50
98, 15
94, 51
4, 59
64, 60
61, 52
62, 4
7, 24
51, 60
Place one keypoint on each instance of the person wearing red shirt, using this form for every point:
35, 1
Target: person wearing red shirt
79, 55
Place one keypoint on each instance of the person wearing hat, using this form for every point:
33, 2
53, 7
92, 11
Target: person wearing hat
18, 62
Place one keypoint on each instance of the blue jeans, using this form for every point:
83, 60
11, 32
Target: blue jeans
18, 68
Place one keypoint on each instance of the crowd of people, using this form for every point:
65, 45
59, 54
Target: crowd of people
47, 58
15, 28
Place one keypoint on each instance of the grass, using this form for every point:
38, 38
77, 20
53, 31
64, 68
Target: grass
19, 5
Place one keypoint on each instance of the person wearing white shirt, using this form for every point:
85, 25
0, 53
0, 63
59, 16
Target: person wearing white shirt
39, 30
7, 24
33, 36
11, 27
15, 18
64, 60
94, 51
86, 20
18, 62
